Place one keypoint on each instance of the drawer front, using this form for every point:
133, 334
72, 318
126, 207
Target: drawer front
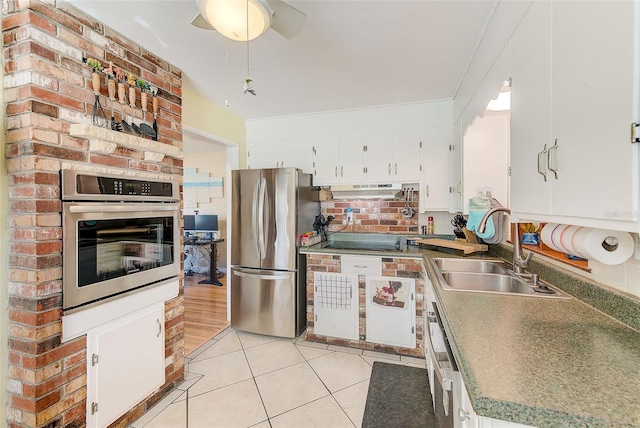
361, 265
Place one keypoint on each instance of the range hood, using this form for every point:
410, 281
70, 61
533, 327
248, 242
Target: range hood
366, 191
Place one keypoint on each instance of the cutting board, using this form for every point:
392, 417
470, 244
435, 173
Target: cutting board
465, 247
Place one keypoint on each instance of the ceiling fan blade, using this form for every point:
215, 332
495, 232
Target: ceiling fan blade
287, 20
200, 22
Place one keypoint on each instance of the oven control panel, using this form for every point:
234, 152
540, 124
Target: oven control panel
78, 185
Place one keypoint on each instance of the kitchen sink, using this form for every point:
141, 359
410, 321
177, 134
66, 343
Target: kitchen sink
471, 265
488, 276
482, 282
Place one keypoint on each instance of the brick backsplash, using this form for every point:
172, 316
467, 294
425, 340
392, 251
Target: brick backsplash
393, 267
372, 215
47, 88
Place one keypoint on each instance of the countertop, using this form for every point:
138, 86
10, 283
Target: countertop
536, 361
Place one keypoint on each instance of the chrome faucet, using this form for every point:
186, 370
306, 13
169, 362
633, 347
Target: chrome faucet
520, 263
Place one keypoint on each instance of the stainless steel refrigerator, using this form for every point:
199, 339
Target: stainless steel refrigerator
271, 208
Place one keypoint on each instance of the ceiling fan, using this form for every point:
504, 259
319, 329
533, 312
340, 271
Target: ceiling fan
230, 18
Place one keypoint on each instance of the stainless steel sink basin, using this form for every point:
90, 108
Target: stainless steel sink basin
486, 282
488, 276
471, 265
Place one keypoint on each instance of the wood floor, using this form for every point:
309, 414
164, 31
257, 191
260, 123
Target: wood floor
205, 311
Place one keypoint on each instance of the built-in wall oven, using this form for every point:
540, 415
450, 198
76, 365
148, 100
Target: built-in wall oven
120, 234
442, 366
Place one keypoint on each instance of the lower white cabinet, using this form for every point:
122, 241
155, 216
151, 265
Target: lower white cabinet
390, 309
125, 363
335, 305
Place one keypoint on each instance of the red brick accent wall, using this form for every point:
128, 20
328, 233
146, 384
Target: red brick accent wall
372, 216
395, 267
47, 87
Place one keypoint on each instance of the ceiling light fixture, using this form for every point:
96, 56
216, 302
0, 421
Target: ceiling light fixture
240, 20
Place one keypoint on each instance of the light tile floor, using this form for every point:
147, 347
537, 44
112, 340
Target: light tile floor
239, 379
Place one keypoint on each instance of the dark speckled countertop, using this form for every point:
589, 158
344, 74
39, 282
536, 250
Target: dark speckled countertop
542, 362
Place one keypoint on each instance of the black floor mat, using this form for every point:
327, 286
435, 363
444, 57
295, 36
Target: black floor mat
398, 396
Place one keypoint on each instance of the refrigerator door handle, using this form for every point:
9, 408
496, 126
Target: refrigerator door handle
258, 276
259, 218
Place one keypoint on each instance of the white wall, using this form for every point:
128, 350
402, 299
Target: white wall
486, 150
399, 117
215, 163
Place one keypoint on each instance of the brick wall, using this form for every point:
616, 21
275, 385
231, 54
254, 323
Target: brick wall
372, 215
47, 87
391, 266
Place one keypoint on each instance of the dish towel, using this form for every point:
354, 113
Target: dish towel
479, 205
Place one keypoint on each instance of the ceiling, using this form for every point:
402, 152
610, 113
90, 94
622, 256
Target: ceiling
351, 53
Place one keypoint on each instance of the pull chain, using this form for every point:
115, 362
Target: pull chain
248, 87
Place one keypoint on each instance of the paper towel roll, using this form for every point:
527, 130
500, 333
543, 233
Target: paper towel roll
610, 247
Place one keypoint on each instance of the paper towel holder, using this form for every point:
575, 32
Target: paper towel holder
610, 243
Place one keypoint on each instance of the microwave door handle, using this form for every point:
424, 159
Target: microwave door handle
120, 208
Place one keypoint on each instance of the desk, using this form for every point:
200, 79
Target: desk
213, 268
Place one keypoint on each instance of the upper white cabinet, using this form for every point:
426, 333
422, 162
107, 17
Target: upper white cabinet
407, 157
376, 158
338, 160
434, 190
574, 99
455, 169
281, 154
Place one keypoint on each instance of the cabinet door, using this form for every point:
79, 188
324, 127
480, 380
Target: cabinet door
594, 87
390, 311
351, 170
407, 157
455, 169
434, 191
125, 364
281, 154
262, 155
335, 305
326, 160
530, 112
378, 157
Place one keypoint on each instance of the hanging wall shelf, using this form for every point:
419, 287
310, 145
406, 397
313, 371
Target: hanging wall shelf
103, 140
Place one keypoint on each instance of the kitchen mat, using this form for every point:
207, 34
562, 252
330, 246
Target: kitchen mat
398, 396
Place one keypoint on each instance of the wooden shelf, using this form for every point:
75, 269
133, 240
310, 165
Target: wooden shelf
557, 255
104, 140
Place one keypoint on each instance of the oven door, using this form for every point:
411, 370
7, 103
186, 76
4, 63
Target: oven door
444, 368
116, 247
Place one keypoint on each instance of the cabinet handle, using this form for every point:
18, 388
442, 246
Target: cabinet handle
463, 415
541, 157
554, 170
361, 266
396, 168
159, 327
341, 171
389, 168
426, 190
336, 171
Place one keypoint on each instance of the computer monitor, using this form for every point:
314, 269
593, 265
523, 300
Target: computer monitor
189, 222
206, 223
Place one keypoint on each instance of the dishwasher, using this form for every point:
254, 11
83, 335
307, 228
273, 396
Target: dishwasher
442, 366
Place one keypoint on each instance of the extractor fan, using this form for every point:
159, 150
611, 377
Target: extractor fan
230, 18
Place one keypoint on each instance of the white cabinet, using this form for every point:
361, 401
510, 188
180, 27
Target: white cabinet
336, 305
574, 98
407, 157
390, 311
455, 169
282, 154
379, 157
338, 160
434, 189
125, 364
